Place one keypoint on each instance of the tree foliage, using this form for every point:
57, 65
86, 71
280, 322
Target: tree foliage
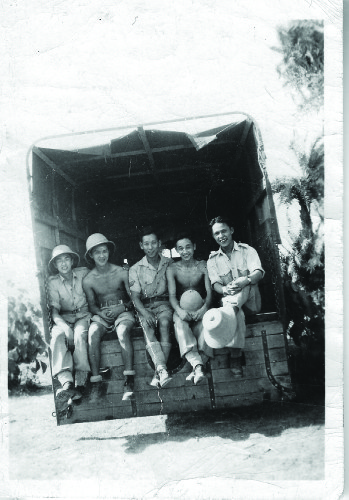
303, 266
302, 66
25, 339
302, 69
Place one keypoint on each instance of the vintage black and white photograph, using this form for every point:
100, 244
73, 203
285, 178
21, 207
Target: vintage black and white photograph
172, 175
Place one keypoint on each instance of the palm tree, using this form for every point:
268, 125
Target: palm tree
303, 266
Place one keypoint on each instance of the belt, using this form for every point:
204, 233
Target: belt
75, 311
151, 300
108, 303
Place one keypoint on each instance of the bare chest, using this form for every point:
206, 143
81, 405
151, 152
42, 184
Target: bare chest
189, 277
108, 284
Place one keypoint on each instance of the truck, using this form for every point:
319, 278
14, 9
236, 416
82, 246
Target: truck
174, 174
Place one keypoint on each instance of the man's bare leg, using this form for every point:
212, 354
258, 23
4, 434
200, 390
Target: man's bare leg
95, 334
123, 331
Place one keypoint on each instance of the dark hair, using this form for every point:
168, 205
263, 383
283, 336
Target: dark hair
146, 231
220, 219
184, 236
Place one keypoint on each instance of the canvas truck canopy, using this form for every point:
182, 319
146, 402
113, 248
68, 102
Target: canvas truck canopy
173, 175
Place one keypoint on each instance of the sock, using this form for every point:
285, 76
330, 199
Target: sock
194, 358
129, 372
64, 377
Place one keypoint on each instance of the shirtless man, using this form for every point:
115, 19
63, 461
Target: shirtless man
190, 296
150, 297
107, 292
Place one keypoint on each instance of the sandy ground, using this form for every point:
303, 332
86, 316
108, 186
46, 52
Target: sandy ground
265, 443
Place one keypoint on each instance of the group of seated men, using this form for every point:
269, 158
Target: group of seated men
158, 291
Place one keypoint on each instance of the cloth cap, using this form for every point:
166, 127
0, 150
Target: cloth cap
219, 328
93, 241
191, 300
60, 250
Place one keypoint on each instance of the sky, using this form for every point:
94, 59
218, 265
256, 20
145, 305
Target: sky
74, 66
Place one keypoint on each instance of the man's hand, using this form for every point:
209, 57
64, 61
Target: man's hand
103, 313
240, 283
112, 312
199, 314
228, 289
149, 318
235, 286
184, 315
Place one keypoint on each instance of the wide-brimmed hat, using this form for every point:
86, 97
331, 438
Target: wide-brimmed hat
59, 250
191, 300
93, 241
219, 327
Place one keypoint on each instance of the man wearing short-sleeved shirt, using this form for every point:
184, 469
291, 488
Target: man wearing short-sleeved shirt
71, 319
234, 271
149, 294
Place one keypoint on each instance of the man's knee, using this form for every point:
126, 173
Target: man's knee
123, 330
95, 333
176, 319
164, 323
80, 334
57, 334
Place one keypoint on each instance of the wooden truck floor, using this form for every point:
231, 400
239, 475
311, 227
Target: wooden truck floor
219, 390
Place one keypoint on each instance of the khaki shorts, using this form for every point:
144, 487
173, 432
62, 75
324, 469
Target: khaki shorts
125, 316
161, 310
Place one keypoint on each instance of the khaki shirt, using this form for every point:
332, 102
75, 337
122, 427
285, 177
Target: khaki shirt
68, 298
148, 281
243, 261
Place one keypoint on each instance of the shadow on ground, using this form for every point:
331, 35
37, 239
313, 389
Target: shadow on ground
238, 424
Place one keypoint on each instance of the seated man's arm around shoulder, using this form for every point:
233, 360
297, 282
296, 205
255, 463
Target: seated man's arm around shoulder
171, 283
87, 285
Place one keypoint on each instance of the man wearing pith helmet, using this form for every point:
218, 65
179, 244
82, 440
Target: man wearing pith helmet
108, 295
234, 271
71, 319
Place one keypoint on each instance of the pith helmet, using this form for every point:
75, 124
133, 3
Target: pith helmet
93, 241
191, 300
59, 250
219, 327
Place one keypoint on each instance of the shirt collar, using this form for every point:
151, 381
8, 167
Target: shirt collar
63, 279
235, 247
144, 262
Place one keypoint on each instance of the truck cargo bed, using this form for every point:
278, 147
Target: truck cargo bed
219, 390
